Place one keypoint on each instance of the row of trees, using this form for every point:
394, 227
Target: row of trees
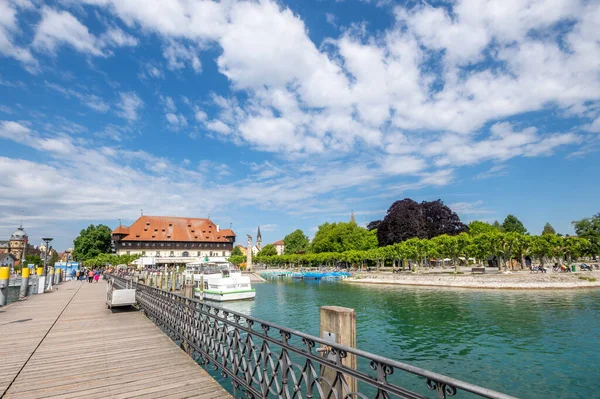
110, 259
503, 247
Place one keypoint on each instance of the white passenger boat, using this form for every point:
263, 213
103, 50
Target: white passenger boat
221, 285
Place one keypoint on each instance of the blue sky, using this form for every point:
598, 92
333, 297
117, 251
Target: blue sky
291, 114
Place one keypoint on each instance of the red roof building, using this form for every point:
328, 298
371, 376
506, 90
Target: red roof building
167, 236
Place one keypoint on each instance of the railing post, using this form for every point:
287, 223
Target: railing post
24, 282
4, 280
338, 324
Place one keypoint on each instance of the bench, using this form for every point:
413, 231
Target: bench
478, 270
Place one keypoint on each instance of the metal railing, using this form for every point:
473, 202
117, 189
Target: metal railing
265, 360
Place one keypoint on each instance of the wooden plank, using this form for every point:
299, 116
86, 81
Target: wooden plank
92, 352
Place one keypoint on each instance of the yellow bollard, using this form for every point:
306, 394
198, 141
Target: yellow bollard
4, 280
39, 271
24, 290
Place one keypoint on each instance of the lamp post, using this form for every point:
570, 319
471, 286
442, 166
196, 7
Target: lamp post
47, 241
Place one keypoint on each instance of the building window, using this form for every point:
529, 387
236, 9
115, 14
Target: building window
198, 253
172, 253
185, 254
223, 253
128, 252
158, 253
143, 253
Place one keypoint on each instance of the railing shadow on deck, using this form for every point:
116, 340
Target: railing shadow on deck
265, 360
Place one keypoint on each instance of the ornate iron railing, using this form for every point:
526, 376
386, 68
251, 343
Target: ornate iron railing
265, 360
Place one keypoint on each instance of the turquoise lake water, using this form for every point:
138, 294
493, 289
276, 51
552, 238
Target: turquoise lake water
529, 344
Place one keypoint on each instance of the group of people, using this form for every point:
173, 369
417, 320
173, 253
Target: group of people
92, 275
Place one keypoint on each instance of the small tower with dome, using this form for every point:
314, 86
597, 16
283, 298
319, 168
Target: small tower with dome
18, 243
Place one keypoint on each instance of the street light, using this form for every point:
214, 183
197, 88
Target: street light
47, 241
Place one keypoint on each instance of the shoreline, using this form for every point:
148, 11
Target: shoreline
517, 281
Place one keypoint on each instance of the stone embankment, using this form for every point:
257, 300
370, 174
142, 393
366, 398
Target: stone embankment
518, 280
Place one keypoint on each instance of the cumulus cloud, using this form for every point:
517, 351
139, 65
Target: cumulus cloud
360, 91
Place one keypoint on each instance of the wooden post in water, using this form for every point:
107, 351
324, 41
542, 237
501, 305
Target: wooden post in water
338, 324
173, 280
188, 290
202, 287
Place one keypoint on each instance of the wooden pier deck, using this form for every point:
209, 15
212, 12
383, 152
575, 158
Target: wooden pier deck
67, 344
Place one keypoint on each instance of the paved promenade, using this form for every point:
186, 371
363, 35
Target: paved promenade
67, 344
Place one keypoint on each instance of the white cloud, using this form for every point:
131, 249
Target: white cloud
331, 19
6, 109
176, 120
402, 165
62, 28
494, 171
9, 31
219, 127
178, 55
470, 208
89, 100
129, 105
117, 38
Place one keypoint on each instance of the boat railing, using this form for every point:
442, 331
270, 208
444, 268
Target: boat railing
266, 360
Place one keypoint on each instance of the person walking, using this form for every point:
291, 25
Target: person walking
96, 276
90, 276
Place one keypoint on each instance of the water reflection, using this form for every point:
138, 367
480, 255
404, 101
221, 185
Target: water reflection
532, 344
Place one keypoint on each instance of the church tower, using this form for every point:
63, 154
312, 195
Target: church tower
352, 219
258, 240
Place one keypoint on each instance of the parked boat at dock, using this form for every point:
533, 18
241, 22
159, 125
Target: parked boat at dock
220, 282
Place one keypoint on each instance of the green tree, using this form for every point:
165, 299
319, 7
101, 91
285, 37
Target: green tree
91, 242
340, 237
513, 225
237, 251
589, 228
268, 250
237, 260
296, 242
477, 227
33, 260
498, 226
548, 229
